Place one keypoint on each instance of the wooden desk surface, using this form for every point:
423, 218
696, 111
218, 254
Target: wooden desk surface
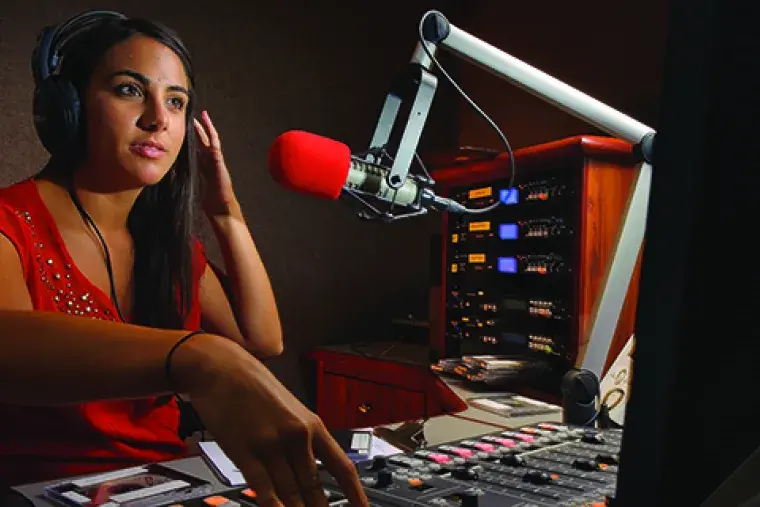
466, 391
474, 421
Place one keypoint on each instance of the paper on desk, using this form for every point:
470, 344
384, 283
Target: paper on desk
375, 446
380, 447
616, 385
221, 464
231, 476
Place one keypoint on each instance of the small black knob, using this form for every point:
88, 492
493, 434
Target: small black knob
512, 459
608, 459
378, 463
464, 473
592, 437
537, 477
469, 498
384, 479
586, 464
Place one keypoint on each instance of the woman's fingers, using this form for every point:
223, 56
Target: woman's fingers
304, 466
340, 466
257, 477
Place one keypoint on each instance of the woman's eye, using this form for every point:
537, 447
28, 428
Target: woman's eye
128, 89
177, 102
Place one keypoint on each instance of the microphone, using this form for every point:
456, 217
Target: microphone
325, 168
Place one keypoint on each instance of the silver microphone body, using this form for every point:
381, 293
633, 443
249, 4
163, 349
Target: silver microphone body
372, 180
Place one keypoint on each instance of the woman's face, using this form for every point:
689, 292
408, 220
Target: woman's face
135, 113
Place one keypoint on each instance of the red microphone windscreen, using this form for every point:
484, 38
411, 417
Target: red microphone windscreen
309, 163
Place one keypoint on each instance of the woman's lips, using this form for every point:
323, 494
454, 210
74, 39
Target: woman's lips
147, 151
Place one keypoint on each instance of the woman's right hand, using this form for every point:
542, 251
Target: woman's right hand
266, 431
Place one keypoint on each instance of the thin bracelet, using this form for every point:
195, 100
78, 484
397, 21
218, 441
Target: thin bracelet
168, 361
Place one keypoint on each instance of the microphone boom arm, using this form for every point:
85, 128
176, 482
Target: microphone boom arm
436, 31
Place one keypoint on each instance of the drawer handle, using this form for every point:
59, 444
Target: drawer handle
365, 408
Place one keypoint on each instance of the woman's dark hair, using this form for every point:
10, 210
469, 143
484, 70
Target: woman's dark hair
161, 220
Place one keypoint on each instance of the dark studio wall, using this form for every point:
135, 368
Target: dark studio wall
607, 50
264, 68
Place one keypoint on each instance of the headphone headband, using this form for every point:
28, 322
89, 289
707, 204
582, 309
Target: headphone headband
57, 107
53, 39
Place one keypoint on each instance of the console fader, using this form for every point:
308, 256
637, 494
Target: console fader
543, 464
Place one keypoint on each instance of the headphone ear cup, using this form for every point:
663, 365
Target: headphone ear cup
57, 115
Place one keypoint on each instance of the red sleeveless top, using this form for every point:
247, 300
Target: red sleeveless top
45, 443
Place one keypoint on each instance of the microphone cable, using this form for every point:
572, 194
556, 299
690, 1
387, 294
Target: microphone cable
88, 219
504, 140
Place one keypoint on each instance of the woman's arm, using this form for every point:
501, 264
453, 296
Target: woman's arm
250, 316
49, 358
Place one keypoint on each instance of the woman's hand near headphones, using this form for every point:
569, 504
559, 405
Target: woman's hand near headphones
218, 195
272, 438
254, 321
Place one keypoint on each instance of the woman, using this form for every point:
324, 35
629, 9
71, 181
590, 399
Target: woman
103, 283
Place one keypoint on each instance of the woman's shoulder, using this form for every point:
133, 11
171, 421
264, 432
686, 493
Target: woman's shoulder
17, 201
19, 207
17, 195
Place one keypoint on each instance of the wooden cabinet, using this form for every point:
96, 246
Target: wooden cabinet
381, 384
353, 403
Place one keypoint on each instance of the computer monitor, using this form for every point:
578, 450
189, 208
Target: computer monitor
692, 417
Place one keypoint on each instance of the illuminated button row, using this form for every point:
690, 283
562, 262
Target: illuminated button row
507, 196
507, 231
541, 344
248, 495
536, 232
248, 498
540, 348
507, 265
540, 339
541, 312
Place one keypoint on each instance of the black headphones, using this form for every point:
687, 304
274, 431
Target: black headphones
57, 105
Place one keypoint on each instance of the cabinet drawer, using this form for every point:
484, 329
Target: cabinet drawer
345, 402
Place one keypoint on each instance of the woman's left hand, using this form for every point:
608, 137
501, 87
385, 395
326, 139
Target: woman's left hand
218, 195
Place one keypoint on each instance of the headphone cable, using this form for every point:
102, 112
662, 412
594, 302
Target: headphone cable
88, 219
185, 408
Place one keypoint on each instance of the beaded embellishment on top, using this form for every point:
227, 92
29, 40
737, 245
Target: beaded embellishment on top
58, 280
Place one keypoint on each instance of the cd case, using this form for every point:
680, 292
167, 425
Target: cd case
512, 405
140, 486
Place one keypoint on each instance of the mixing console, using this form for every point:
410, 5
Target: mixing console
544, 464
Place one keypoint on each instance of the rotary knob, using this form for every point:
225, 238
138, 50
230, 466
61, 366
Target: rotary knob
469, 498
384, 479
592, 437
465, 473
378, 463
512, 459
